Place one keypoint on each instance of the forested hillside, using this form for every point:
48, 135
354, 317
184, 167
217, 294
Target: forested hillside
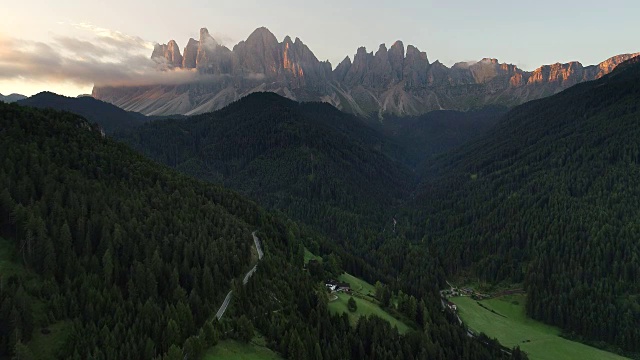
550, 198
112, 236
123, 258
437, 132
312, 162
109, 117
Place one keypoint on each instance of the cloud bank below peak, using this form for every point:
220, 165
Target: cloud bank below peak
105, 58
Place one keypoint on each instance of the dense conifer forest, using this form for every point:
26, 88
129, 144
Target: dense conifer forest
546, 198
317, 165
550, 198
134, 259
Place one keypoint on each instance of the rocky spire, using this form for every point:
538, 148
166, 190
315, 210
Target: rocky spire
396, 60
190, 54
358, 72
415, 67
342, 69
167, 55
172, 54
158, 51
260, 53
380, 72
207, 46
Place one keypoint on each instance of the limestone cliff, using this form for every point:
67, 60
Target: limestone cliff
392, 80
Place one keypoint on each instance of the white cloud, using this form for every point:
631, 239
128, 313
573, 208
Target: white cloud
104, 58
115, 38
107, 58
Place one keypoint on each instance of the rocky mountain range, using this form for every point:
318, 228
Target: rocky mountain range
392, 81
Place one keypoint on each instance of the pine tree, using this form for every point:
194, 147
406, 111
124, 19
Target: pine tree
352, 305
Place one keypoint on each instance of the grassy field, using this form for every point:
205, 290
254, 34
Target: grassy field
540, 341
47, 346
364, 297
308, 255
43, 346
234, 350
358, 285
365, 308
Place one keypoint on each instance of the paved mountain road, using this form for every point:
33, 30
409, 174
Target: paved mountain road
227, 299
256, 241
224, 306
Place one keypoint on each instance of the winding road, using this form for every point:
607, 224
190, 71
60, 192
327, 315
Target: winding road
224, 306
256, 241
227, 299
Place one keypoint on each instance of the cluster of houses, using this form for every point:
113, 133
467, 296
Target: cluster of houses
476, 295
333, 285
449, 292
451, 306
454, 291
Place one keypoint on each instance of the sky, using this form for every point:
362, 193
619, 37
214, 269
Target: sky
67, 46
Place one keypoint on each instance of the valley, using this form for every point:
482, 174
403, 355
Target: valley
263, 204
510, 325
185, 240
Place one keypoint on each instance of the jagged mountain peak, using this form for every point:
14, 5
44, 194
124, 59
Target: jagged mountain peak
204, 32
167, 55
392, 80
362, 50
263, 35
190, 53
206, 39
397, 48
489, 61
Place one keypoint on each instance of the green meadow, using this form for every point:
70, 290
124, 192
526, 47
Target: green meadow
538, 340
46, 341
235, 350
358, 285
308, 255
363, 294
365, 308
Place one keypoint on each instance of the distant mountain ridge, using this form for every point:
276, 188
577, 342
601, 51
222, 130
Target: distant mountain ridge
11, 98
395, 81
111, 118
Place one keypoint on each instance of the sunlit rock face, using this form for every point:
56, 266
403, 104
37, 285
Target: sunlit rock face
190, 54
168, 54
395, 80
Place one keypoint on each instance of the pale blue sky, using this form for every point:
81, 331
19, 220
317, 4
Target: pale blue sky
525, 33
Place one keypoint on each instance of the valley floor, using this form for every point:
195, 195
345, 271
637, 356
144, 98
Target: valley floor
509, 324
235, 350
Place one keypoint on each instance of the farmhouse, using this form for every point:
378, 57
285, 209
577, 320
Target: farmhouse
334, 285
